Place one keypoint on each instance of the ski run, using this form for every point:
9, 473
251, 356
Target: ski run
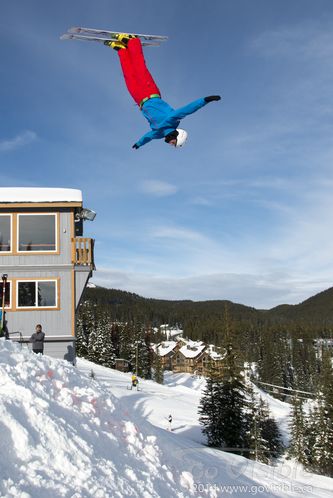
78, 432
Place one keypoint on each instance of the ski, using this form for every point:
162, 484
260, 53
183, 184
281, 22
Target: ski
113, 34
72, 36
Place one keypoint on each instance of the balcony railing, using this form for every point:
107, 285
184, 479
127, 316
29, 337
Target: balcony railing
83, 252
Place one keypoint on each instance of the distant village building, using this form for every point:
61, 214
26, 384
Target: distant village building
323, 343
171, 333
194, 357
122, 365
45, 262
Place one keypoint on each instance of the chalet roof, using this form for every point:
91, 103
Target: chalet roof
192, 349
166, 347
39, 194
214, 354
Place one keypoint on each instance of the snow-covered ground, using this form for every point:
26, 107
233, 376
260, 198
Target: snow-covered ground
64, 434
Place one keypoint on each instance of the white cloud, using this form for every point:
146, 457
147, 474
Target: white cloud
158, 188
21, 140
260, 291
177, 233
307, 40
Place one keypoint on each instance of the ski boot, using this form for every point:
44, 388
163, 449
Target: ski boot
125, 38
116, 45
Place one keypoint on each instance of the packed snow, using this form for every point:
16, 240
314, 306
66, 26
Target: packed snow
39, 194
66, 434
165, 347
192, 349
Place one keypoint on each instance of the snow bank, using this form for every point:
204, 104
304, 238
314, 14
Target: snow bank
63, 434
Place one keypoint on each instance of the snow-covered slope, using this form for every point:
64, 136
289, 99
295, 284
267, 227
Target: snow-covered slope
63, 434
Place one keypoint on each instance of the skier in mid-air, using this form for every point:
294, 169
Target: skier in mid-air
163, 119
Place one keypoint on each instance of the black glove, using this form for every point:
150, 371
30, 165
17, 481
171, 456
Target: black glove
135, 146
211, 98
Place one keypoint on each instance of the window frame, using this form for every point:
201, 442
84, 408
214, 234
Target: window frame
37, 307
11, 234
56, 228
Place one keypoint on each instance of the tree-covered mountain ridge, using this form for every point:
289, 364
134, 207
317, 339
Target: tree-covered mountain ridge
316, 310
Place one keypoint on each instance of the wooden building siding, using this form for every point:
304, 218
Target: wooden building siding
65, 230
58, 322
55, 322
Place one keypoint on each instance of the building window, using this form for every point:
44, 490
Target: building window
5, 232
37, 294
37, 232
8, 294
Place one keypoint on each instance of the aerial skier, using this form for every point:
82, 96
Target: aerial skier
162, 118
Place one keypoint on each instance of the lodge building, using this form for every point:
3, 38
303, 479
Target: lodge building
45, 263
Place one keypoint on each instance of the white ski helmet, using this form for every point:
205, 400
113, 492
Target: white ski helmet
181, 138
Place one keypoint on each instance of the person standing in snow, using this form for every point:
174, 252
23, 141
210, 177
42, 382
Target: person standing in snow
4, 331
37, 340
170, 422
162, 118
135, 381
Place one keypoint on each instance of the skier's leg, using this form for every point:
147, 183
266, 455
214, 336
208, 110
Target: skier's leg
147, 85
130, 75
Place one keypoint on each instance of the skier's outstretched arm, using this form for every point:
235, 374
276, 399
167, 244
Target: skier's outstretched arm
182, 112
144, 140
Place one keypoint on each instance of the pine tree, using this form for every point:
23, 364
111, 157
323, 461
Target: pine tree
93, 351
257, 444
107, 354
223, 405
209, 408
269, 432
322, 453
298, 445
158, 368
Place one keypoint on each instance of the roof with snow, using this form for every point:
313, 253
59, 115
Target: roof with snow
192, 349
165, 347
215, 355
39, 194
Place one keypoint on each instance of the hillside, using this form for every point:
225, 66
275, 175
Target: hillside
317, 310
66, 435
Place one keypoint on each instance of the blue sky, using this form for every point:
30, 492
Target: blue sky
244, 211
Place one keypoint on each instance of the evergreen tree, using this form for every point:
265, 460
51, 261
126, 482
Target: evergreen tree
107, 356
158, 368
322, 451
209, 408
258, 449
223, 405
298, 445
127, 338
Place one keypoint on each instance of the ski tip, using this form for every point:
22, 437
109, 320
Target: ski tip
66, 36
74, 29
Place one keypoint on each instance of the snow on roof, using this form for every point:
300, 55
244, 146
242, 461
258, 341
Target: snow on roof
215, 355
39, 194
192, 349
166, 347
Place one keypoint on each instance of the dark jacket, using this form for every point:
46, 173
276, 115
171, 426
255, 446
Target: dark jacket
37, 340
